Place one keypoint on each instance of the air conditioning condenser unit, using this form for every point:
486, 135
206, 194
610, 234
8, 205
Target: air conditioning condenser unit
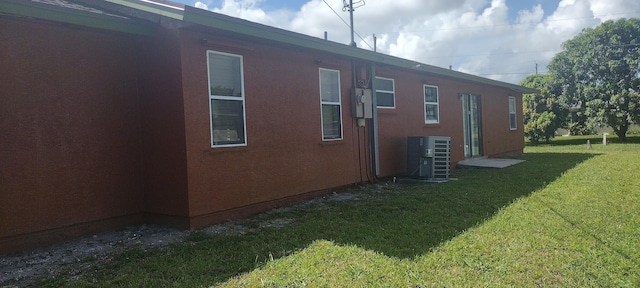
429, 157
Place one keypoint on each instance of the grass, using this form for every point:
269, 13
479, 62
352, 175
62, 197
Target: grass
568, 216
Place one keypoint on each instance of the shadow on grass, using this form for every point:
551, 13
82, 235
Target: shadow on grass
412, 219
398, 220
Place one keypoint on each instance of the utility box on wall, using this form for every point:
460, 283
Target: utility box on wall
429, 157
362, 103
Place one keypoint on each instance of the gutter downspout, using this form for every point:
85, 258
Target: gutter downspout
375, 159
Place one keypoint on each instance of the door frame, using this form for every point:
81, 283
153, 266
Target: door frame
468, 116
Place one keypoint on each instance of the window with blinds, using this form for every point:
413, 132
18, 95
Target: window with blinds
226, 99
431, 106
331, 106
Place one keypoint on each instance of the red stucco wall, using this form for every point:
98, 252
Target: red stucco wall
69, 109
285, 155
163, 131
499, 139
101, 126
407, 119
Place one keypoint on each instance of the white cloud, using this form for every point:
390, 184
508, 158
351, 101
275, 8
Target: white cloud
614, 9
201, 5
532, 16
245, 9
474, 36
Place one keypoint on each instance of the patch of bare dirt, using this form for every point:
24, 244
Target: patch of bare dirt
71, 259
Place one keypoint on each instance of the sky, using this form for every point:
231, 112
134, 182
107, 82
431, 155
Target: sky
499, 39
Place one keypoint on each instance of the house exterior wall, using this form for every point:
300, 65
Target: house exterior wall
407, 119
285, 155
102, 129
70, 136
499, 139
163, 131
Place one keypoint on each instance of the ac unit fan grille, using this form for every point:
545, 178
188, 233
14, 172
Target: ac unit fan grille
441, 158
429, 157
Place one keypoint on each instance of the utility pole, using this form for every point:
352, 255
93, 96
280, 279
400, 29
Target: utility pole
353, 43
536, 67
351, 9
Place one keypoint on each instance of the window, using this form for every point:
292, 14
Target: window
226, 99
330, 103
431, 107
512, 113
385, 93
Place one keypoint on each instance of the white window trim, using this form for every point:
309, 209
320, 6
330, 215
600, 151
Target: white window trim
514, 112
339, 104
216, 97
393, 83
424, 107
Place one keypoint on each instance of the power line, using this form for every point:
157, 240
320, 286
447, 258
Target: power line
365, 42
345, 23
334, 12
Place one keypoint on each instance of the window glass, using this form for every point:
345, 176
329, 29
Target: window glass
431, 105
385, 93
329, 85
330, 104
431, 113
226, 99
430, 94
227, 123
331, 127
384, 84
224, 75
385, 99
512, 113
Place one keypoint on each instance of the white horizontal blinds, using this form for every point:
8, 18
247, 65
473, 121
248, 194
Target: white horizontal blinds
385, 93
226, 99
225, 78
331, 107
430, 94
431, 105
226, 117
512, 113
329, 86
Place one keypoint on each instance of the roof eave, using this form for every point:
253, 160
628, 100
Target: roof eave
152, 7
227, 23
30, 9
236, 25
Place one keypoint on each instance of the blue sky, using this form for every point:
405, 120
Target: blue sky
498, 39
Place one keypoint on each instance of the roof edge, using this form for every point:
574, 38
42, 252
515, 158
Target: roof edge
93, 20
237, 25
171, 11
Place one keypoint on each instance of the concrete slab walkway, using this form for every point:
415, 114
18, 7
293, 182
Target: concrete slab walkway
490, 162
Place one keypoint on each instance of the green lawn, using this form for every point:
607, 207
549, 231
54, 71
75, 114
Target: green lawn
568, 217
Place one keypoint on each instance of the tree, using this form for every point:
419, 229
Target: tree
543, 113
598, 72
